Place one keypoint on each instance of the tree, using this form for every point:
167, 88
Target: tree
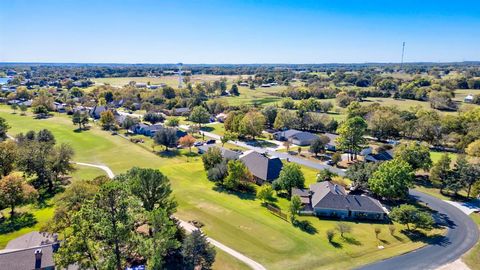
360, 172
325, 175
377, 231
107, 120
15, 191
270, 113
59, 162
468, 174
129, 122
238, 175
318, 145
197, 252
218, 172
40, 111
440, 172
173, 122
336, 157
351, 136
200, 116
234, 90
415, 154
153, 117
265, 194
385, 123
295, 207
166, 137
76, 119
3, 129
252, 124
392, 179
287, 145
14, 107
187, 141
151, 187
343, 228
228, 136
285, 120
473, 149
8, 156
407, 214
23, 109
290, 177
212, 157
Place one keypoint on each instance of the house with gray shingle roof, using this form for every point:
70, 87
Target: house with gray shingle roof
331, 200
226, 153
300, 138
262, 166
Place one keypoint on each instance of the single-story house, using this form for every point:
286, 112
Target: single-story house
262, 166
296, 137
30, 258
468, 99
60, 107
244, 84
331, 200
178, 111
97, 110
226, 153
150, 130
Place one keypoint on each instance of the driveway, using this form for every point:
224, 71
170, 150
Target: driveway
462, 235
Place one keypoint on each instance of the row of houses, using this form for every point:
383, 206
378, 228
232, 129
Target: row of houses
324, 199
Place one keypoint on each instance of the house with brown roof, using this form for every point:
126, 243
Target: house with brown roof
328, 199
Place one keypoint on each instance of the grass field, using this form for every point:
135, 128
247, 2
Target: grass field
472, 258
171, 80
237, 220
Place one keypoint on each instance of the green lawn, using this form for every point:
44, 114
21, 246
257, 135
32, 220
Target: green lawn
472, 258
238, 221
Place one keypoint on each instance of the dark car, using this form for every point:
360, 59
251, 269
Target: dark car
198, 144
210, 142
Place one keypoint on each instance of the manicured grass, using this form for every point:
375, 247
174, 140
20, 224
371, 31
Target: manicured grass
224, 260
259, 96
217, 128
237, 220
435, 156
171, 80
472, 258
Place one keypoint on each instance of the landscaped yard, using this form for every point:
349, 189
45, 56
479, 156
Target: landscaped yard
237, 220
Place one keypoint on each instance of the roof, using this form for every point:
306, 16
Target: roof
304, 136
382, 156
25, 258
287, 133
226, 153
332, 137
261, 165
327, 195
32, 239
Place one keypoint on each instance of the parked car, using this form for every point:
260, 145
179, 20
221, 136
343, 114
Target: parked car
196, 144
211, 142
330, 163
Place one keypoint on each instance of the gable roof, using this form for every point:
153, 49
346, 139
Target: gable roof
304, 136
226, 153
327, 195
382, 156
25, 258
287, 133
262, 166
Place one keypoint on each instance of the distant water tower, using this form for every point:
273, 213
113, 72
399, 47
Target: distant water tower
180, 79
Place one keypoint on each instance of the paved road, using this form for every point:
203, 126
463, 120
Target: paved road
282, 155
189, 228
462, 235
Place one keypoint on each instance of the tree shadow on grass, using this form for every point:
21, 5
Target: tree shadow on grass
352, 241
418, 236
241, 195
17, 222
384, 241
305, 226
336, 244
208, 129
168, 154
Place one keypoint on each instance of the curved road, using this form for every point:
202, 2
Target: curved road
462, 235
189, 227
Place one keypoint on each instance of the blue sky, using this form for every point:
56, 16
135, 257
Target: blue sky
229, 31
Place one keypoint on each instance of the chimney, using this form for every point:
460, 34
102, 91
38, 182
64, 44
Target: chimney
38, 259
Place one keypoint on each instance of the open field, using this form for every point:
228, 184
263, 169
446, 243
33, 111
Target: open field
236, 220
171, 80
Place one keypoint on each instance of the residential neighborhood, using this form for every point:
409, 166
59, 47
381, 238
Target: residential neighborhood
212, 135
